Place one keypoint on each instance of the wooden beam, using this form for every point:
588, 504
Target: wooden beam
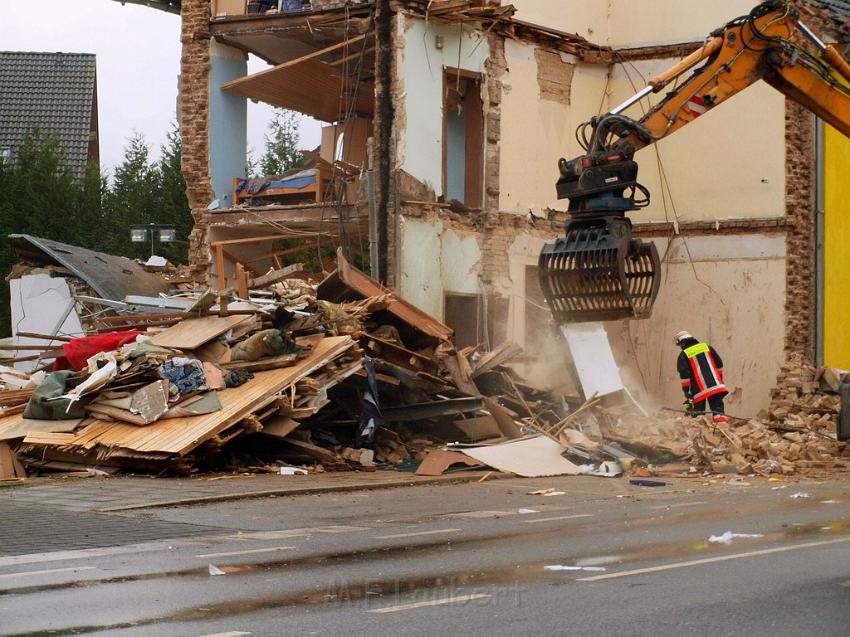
241, 281
351, 56
304, 58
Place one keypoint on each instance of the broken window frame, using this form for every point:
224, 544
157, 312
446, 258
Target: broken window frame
473, 195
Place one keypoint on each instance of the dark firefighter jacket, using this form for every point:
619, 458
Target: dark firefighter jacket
701, 371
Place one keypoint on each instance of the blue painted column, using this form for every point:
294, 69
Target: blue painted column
228, 121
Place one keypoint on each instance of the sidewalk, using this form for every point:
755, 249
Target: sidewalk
126, 493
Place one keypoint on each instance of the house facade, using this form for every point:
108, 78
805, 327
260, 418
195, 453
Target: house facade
443, 125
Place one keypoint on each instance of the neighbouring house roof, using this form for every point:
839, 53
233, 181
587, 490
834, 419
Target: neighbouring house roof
110, 276
55, 92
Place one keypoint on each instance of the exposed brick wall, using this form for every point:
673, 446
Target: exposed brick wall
495, 68
801, 238
193, 116
554, 76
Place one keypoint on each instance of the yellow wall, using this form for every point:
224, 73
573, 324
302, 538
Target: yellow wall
836, 350
627, 23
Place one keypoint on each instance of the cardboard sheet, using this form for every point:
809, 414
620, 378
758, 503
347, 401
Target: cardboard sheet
530, 458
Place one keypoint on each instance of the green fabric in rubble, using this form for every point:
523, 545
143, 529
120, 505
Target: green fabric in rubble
41, 407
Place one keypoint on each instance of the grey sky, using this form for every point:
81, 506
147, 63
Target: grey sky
138, 61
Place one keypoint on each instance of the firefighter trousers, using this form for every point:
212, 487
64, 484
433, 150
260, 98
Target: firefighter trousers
715, 403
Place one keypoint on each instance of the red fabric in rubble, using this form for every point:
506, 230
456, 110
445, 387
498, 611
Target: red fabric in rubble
79, 350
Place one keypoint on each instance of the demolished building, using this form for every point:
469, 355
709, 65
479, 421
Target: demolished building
469, 105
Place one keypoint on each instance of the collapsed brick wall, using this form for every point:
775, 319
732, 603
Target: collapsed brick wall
193, 118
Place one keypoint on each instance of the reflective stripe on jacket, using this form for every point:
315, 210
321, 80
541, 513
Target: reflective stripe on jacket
700, 369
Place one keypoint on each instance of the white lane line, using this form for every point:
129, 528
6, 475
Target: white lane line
397, 535
85, 554
232, 633
678, 506
559, 517
434, 602
48, 571
288, 533
710, 560
247, 551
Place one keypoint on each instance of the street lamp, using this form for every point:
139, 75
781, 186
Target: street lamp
139, 233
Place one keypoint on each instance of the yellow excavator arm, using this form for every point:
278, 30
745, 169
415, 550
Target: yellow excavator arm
758, 47
598, 271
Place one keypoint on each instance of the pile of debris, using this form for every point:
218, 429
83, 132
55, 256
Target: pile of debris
335, 373
797, 434
337, 376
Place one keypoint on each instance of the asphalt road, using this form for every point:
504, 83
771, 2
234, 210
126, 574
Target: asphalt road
453, 559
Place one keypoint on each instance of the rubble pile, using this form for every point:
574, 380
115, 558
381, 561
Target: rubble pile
338, 376
806, 397
150, 374
803, 440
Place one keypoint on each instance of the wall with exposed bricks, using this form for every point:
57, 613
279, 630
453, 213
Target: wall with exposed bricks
193, 118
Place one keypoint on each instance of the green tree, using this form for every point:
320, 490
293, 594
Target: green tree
145, 192
282, 142
173, 205
42, 196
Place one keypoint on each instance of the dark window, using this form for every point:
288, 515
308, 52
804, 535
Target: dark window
464, 314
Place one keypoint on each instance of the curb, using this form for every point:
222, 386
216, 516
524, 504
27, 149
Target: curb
344, 488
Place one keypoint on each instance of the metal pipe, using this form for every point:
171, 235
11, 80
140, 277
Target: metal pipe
634, 99
811, 35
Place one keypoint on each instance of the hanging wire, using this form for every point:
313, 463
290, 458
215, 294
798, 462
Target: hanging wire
349, 92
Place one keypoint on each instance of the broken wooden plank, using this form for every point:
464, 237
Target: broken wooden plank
365, 286
271, 362
434, 409
194, 332
280, 426
504, 418
181, 435
18, 427
275, 276
395, 353
313, 450
10, 467
499, 356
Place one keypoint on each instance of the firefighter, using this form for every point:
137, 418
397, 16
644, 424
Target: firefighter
701, 372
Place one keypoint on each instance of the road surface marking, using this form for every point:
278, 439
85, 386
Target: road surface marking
678, 506
433, 602
710, 560
559, 517
287, 533
398, 535
232, 633
49, 571
247, 552
85, 554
